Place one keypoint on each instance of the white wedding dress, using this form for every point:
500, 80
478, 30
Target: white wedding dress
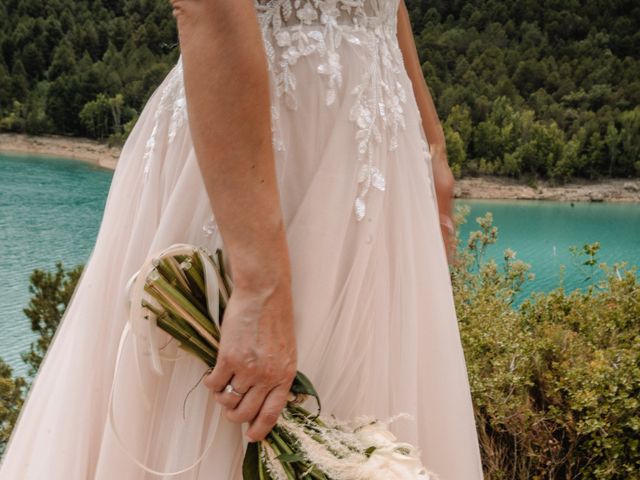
375, 318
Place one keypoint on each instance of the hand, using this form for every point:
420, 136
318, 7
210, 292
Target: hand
257, 356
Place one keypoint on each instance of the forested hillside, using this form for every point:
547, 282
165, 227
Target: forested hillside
81, 67
534, 89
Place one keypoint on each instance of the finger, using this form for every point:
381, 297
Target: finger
244, 378
229, 400
250, 405
269, 413
220, 376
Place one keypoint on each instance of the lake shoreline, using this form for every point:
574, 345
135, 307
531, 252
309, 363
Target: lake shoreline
84, 149
492, 188
479, 188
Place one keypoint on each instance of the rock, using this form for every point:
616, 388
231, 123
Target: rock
552, 196
631, 187
596, 196
526, 196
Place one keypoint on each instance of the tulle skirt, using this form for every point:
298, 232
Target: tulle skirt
375, 318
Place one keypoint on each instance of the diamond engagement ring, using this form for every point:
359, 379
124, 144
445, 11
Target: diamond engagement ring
229, 389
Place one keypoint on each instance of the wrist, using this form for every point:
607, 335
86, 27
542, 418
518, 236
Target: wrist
257, 270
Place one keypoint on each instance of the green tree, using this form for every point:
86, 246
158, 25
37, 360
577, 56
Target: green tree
36, 120
459, 120
630, 141
12, 394
19, 81
64, 60
15, 120
6, 93
104, 116
64, 103
51, 293
612, 140
95, 116
456, 153
33, 61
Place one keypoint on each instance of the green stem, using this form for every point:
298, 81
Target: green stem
181, 282
181, 307
178, 274
282, 445
262, 472
196, 273
226, 281
189, 340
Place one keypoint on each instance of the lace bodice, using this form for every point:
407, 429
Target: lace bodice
361, 12
295, 28
292, 29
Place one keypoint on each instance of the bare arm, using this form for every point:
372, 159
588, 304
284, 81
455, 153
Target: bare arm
443, 177
227, 91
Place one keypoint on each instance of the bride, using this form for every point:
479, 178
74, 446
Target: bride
300, 136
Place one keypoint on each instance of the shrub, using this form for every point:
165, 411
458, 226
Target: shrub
555, 382
51, 293
12, 392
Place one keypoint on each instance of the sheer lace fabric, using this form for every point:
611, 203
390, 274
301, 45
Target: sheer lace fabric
293, 12
298, 28
375, 318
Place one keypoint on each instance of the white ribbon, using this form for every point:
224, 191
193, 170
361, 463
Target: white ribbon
142, 322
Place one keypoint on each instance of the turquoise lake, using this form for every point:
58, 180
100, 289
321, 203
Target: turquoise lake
50, 210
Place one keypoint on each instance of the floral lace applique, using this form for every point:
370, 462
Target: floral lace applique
172, 98
210, 227
278, 143
378, 97
296, 41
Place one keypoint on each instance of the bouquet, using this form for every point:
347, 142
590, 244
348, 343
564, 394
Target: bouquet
184, 291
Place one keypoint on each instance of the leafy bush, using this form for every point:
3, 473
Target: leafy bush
51, 293
12, 391
555, 382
